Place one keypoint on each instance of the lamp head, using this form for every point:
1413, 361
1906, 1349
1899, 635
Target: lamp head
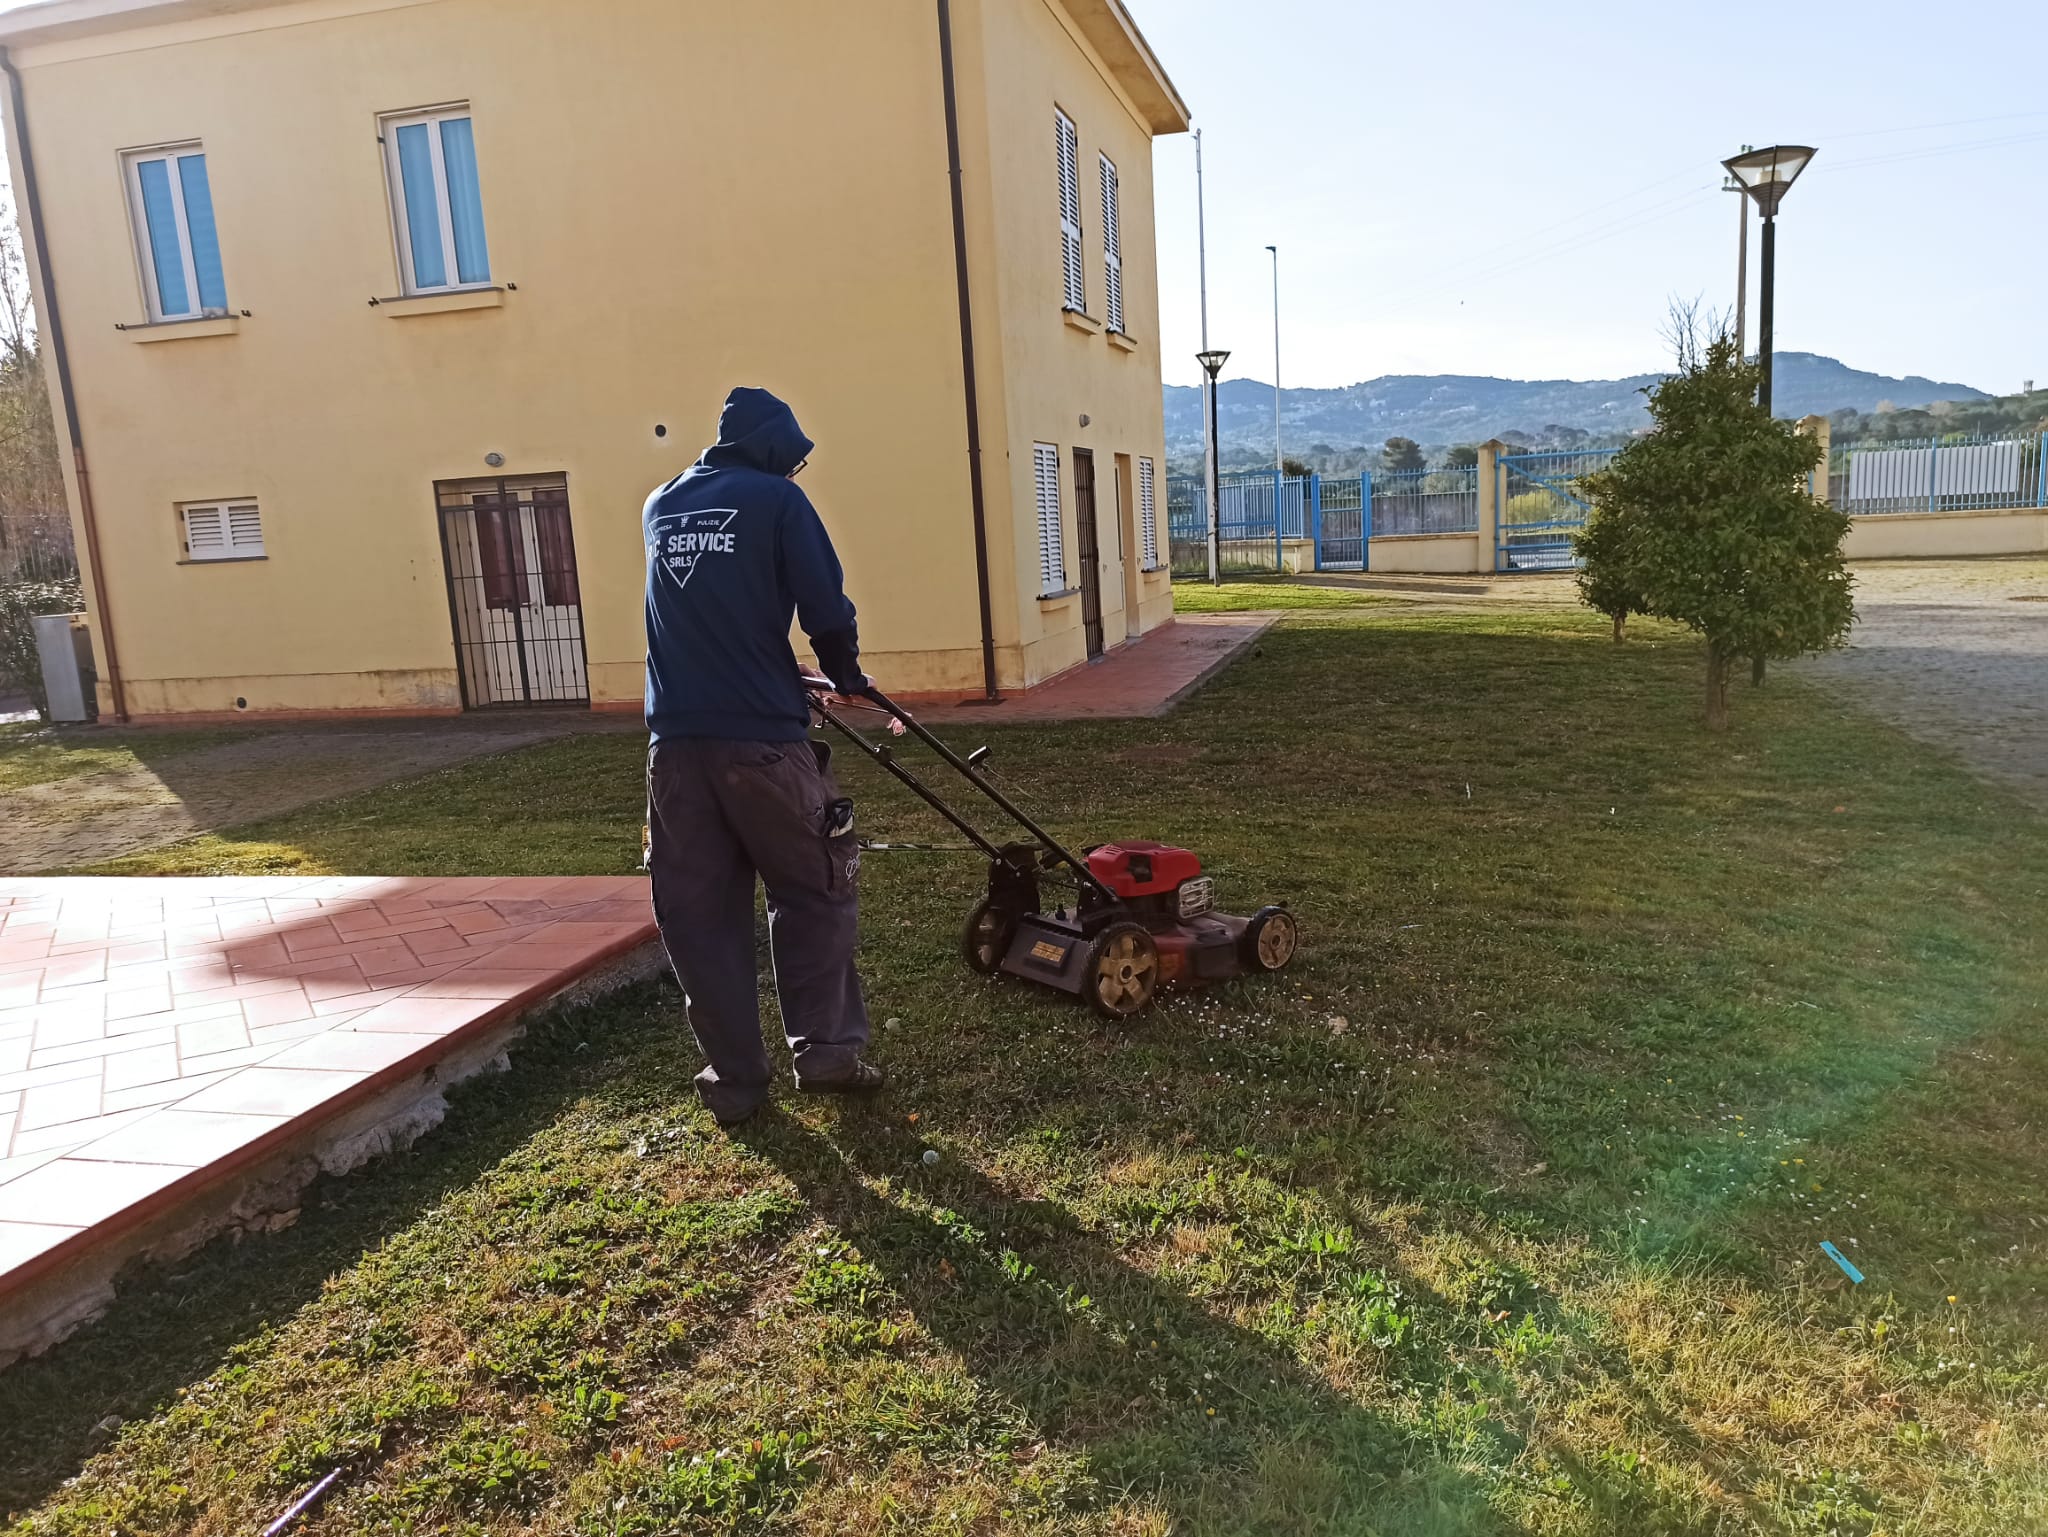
1212, 361
1767, 174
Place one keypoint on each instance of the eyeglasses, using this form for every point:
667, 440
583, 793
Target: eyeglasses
799, 468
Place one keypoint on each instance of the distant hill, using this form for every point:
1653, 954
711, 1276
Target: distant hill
1443, 409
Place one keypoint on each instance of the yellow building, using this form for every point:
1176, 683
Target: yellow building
380, 318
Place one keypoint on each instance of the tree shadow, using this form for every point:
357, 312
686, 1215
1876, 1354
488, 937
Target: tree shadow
1218, 1426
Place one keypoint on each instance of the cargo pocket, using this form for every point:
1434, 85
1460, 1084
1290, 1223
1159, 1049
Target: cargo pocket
842, 848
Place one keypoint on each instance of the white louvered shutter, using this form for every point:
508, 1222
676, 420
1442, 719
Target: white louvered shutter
206, 534
1148, 515
1052, 551
1112, 249
245, 530
223, 531
1070, 211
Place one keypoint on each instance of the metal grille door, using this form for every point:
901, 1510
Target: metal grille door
513, 594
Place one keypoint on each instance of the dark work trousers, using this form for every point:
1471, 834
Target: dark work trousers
719, 814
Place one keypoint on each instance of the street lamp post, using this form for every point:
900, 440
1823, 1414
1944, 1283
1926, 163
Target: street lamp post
1279, 464
1741, 261
1767, 175
1212, 365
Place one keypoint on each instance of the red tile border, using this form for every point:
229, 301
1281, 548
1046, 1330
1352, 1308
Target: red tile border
250, 1009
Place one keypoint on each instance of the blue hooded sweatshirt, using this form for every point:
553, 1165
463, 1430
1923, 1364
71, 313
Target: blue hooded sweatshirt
734, 550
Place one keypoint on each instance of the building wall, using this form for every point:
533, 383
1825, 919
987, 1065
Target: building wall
1046, 373
680, 207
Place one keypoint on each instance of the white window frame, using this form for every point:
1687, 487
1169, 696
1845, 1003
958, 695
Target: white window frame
1052, 535
230, 528
430, 118
1112, 247
132, 161
1148, 514
1067, 139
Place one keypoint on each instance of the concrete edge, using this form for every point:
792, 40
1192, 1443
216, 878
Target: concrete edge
264, 1196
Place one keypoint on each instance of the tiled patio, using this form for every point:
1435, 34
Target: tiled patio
157, 1036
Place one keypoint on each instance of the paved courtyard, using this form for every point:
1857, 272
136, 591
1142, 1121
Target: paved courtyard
1956, 652
157, 1035
70, 823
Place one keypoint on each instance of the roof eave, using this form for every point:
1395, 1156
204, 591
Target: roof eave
1112, 33
52, 21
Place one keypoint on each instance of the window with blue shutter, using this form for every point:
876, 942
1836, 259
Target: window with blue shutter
176, 239
437, 202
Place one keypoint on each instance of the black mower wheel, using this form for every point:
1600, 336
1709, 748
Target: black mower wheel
1123, 971
1269, 940
986, 939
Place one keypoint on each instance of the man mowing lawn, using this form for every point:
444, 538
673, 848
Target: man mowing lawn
735, 787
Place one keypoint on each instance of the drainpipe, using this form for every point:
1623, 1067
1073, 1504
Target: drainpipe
988, 625
53, 331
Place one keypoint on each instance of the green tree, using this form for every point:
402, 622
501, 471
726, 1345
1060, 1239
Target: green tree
1295, 469
1606, 579
1463, 457
1715, 526
1402, 454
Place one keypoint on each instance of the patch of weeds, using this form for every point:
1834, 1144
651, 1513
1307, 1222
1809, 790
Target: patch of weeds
479, 1470
1369, 1309
1491, 1287
1833, 1503
588, 1410
732, 1489
376, 1338
539, 1346
1526, 1341
309, 1449
841, 1286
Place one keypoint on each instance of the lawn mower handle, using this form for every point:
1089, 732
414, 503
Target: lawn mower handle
880, 752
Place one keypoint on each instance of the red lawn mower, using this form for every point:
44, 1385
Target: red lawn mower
1141, 917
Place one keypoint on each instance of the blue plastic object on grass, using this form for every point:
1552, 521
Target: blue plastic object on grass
1848, 1269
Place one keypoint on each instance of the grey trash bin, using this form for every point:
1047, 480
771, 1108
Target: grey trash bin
64, 647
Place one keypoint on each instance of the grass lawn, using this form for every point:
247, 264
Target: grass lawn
1237, 595
33, 754
1500, 1214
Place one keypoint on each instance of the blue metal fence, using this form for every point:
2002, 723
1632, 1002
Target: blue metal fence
1959, 473
1326, 523
1439, 501
1262, 513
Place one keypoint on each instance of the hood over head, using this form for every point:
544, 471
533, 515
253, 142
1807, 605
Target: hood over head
756, 431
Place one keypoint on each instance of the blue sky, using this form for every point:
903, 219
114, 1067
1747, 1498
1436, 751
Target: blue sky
1475, 186
1513, 189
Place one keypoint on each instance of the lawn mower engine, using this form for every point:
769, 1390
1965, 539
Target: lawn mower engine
1144, 920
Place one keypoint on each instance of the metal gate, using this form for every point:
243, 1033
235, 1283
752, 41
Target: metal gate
1344, 527
1541, 508
513, 595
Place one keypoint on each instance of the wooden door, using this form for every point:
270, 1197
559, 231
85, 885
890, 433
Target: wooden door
1088, 554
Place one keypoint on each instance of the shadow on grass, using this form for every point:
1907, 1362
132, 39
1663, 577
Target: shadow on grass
173, 1325
1218, 1427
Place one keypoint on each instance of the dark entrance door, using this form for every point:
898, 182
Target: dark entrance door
513, 595
1089, 555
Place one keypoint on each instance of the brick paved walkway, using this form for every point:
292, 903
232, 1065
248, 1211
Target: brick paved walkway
1147, 677
156, 1035
1956, 652
70, 823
